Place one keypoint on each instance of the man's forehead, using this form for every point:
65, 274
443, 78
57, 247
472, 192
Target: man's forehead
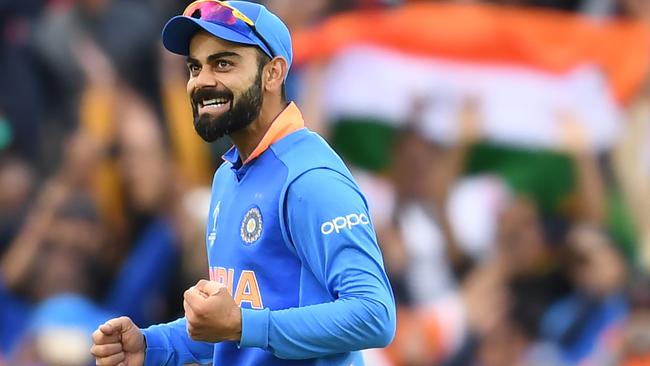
204, 44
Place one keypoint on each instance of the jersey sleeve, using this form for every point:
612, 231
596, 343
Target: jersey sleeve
328, 222
170, 345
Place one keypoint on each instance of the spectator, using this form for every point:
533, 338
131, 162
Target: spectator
22, 93
635, 345
58, 250
16, 187
584, 323
151, 262
76, 46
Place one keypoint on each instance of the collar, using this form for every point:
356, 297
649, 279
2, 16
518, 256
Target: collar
288, 121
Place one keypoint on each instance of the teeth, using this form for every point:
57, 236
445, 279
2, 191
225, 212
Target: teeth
214, 101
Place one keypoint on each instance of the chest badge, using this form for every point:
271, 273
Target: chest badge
251, 226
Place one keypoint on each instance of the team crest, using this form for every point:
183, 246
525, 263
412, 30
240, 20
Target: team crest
251, 226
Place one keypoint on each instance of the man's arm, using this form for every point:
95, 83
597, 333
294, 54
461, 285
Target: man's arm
170, 345
329, 225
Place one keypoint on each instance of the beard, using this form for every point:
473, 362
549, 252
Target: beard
239, 116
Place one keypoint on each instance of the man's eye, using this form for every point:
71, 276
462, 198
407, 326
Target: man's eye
194, 69
223, 64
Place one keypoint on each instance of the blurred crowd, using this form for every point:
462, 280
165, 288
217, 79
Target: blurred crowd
104, 193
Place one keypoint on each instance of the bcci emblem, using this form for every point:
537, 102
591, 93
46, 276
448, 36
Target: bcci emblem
251, 226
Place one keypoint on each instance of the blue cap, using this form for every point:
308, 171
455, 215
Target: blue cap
68, 311
179, 30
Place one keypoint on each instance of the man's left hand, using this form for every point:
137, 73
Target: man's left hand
211, 313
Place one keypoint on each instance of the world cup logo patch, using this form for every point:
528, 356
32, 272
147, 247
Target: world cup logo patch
251, 226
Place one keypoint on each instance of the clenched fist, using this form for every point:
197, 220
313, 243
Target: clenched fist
118, 342
211, 313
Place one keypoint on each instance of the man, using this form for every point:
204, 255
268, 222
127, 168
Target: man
296, 275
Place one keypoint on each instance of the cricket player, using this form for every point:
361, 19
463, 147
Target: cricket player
296, 275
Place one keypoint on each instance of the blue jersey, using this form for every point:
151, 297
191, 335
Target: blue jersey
290, 236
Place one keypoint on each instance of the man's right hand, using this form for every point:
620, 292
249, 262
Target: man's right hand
118, 342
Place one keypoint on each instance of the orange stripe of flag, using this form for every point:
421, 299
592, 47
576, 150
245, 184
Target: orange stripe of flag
551, 41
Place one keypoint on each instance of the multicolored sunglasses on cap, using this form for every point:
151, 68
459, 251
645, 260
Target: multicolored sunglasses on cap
219, 12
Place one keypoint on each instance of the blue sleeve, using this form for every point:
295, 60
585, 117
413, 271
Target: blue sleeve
170, 345
14, 317
328, 222
145, 275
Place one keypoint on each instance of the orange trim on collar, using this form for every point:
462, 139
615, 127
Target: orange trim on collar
290, 120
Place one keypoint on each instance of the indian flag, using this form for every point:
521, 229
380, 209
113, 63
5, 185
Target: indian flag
522, 70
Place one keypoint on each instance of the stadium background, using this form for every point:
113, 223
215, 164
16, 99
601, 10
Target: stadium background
504, 147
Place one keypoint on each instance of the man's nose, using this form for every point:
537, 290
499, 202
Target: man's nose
205, 78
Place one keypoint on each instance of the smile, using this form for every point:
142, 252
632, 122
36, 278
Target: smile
213, 105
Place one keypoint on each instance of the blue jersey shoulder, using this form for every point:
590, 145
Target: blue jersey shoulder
305, 150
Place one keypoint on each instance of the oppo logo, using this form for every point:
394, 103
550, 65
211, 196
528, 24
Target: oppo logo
343, 222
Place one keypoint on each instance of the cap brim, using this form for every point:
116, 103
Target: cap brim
178, 32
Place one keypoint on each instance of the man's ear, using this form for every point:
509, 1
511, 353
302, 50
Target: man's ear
275, 72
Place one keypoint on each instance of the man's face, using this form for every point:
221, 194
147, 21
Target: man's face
225, 86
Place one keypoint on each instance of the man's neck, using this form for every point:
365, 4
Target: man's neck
247, 139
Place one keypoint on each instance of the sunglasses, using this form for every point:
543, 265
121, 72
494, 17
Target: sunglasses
218, 12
